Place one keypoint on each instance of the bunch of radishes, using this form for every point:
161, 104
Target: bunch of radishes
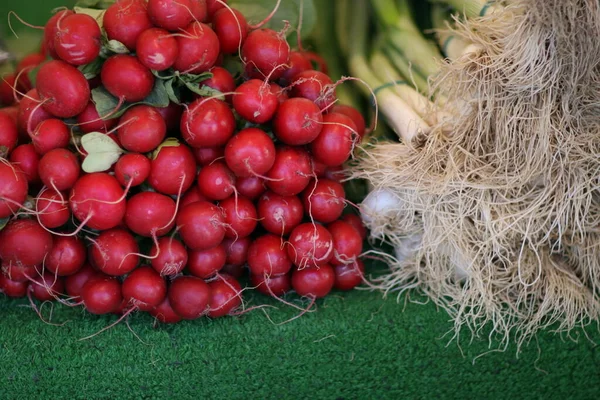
156, 148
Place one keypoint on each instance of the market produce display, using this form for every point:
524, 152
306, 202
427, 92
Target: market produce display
153, 151
488, 185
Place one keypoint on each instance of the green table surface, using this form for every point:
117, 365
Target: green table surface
356, 346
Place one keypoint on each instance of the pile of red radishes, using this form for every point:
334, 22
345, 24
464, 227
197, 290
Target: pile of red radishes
146, 160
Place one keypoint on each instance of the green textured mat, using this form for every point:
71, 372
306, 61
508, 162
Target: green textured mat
356, 346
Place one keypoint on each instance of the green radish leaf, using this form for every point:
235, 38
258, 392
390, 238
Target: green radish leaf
102, 151
3, 222
289, 10
98, 15
106, 103
204, 91
193, 78
92, 69
116, 47
97, 4
164, 75
173, 91
169, 142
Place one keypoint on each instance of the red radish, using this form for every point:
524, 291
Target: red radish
142, 129
298, 121
13, 187
172, 15
199, 10
126, 78
324, 200
267, 256
62, 88
348, 276
46, 287
249, 153
225, 296
240, 216
132, 169
165, 313
125, 20
31, 113
90, 121
207, 155
150, 214
7, 93
59, 169
191, 196
189, 297
102, 295
198, 49
237, 250
50, 30
27, 160
221, 80
12, 288
272, 285
157, 49
17, 272
315, 86
8, 135
237, 271
255, 102
77, 39
231, 28
74, 283
173, 169
25, 66
280, 92
310, 245
298, 63
347, 243
336, 174
279, 214
291, 171
171, 256
50, 134
207, 123
315, 282
354, 114
13, 112
67, 256
356, 222
114, 252
206, 263
99, 200
216, 181
319, 62
334, 144
172, 115
201, 225
265, 54
251, 187
52, 208
144, 289
213, 6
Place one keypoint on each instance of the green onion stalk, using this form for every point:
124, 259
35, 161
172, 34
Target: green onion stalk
401, 117
472, 8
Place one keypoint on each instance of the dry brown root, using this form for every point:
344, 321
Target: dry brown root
515, 186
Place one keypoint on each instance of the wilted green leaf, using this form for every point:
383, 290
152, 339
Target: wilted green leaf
289, 10
102, 151
106, 103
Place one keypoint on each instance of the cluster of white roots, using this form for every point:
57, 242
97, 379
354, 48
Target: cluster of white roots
497, 213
